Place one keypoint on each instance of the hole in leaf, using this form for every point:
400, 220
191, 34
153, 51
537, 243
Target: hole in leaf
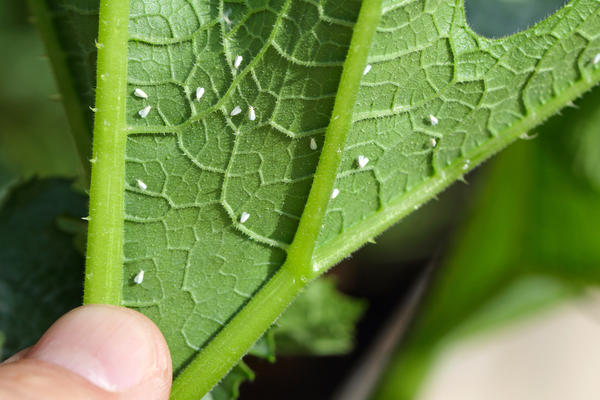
496, 18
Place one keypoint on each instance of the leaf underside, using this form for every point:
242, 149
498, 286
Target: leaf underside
204, 167
41, 271
201, 168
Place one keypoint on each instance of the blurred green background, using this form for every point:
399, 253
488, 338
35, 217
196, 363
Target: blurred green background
34, 134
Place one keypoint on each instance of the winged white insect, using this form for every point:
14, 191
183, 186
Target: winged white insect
140, 93
145, 111
199, 93
244, 217
238, 61
362, 161
139, 278
236, 111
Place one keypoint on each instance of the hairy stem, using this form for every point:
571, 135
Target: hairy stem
104, 264
236, 338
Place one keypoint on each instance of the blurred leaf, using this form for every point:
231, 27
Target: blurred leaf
587, 163
320, 322
229, 387
69, 31
7, 180
40, 271
532, 240
34, 139
265, 347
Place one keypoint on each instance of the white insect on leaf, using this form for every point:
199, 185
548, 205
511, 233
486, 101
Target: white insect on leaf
236, 111
367, 69
596, 59
140, 93
527, 136
433, 142
141, 184
238, 61
433, 120
145, 111
251, 113
313, 144
139, 278
244, 217
199, 93
335, 193
362, 161
466, 165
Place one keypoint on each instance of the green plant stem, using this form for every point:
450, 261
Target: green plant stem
310, 223
335, 250
104, 264
236, 338
226, 349
76, 115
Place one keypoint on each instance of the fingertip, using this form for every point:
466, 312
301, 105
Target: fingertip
115, 348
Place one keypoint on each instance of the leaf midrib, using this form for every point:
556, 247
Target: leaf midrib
104, 255
233, 341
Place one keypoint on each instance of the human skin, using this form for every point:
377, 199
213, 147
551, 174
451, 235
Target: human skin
95, 352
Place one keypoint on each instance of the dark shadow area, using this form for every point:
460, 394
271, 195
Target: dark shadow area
497, 18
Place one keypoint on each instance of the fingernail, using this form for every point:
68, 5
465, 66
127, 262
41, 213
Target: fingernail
112, 347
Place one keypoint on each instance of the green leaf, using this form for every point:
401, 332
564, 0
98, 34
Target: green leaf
41, 274
532, 240
264, 347
229, 387
320, 322
213, 283
69, 30
34, 139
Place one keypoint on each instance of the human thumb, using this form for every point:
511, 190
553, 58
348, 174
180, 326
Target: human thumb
93, 352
